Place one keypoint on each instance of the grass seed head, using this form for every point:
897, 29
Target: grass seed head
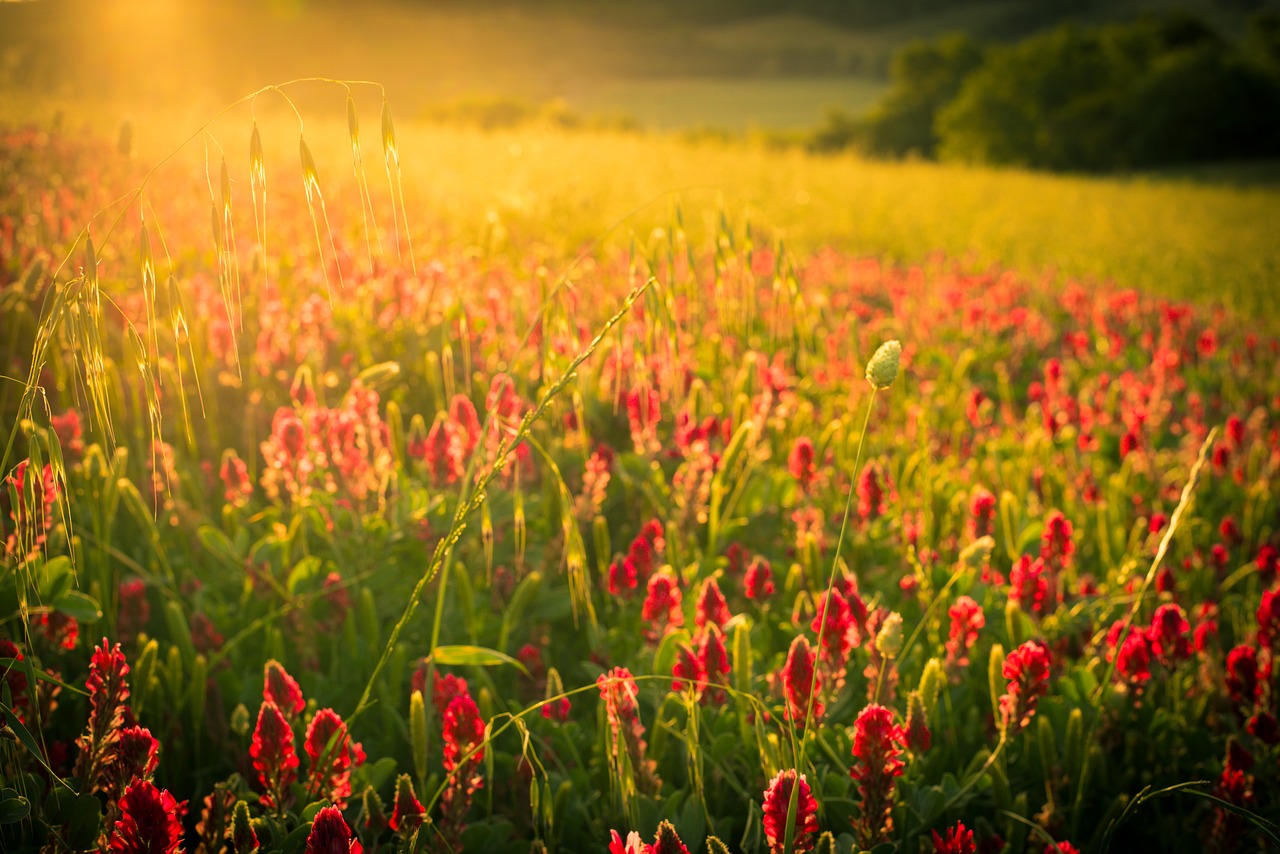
882, 369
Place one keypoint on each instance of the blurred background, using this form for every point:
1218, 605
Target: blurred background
1092, 85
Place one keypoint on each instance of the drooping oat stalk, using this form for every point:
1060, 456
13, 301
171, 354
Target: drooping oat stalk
362, 183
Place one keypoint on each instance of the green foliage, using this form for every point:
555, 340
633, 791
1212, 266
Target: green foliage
926, 76
1155, 92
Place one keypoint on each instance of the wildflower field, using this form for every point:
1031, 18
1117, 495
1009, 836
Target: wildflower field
336, 521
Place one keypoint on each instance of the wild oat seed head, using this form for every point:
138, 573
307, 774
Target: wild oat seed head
882, 369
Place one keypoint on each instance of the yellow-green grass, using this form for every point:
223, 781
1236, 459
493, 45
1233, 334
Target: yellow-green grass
1184, 238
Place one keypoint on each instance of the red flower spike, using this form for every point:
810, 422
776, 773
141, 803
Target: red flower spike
661, 609
409, 812
667, 841
982, 511
150, 821
799, 681
330, 834
620, 695
800, 462
1168, 635
712, 607
463, 733
136, 755
1063, 847
273, 754
967, 620
632, 845
282, 689
957, 840
1242, 682
332, 755
1133, 662
777, 802
1027, 669
689, 671
108, 691
446, 689
758, 582
715, 658
877, 753
1269, 620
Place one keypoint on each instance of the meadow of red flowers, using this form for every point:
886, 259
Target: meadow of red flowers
314, 544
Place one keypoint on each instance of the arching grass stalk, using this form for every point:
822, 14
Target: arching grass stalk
882, 370
465, 508
1188, 491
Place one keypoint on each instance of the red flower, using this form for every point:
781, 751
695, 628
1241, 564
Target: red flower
1133, 661
800, 463
1168, 635
1242, 676
632, 845
759, 580
918, 736
446, 689
108, 691
777, 803
59, 628
273, 753
644, 412
1269, 620
136, 755
408, 812
1062, 847
877, 753
1264, 727
620, 694
332, 755
689, 669
715, 658
1028, 585
1056, 546
70, 434
150, 821
463, 737
237, 488
282, 689
330, 834
982, 510
661, 607
967, 619
622, 577
712, 607
800, 681
957, 840
667, 841
463, 731
870, 494
841, 632
1027, 669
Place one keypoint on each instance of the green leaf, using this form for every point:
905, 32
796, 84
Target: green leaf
474, 656
13, 807
83, 608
